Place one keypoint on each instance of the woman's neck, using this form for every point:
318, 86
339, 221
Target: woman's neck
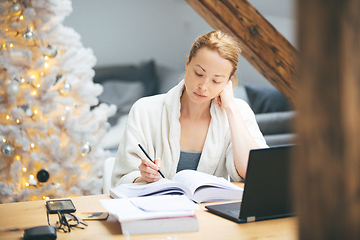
192, 110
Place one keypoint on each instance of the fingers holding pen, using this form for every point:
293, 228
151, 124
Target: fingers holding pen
149, 170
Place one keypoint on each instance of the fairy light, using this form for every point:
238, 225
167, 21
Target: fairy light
46, 57
33, 93
32, 176
7, 117
46, 198
46, 65
36, 112
32, 76
38, 85
22, 17
32, 145
18, 158
63, 118
24, 169
67, 108
4, 140
22, 80
17, 121
27, 184
11, 45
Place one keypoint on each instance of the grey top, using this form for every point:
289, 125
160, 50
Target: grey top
188, 160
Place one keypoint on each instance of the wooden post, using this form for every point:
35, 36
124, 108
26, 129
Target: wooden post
326, 166
262, 45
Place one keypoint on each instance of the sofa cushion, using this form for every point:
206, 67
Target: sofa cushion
275, 122
124, 84
266, 99
145, 73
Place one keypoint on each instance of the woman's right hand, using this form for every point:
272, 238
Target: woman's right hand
149, 170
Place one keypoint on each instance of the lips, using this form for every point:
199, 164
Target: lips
199, 95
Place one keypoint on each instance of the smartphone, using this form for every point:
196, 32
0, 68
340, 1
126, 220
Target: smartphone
63, 206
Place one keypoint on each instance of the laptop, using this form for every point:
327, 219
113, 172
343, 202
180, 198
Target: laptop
266, 190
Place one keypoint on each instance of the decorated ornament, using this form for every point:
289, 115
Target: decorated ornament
32, 180
52, 51
65, 89
85, 149
15, 8
13, 88
7, 149
28, 34
42, 176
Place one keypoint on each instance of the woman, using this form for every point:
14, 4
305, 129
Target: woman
198, 124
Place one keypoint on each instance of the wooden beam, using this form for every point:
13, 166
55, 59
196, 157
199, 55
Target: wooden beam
326, 169
262, 45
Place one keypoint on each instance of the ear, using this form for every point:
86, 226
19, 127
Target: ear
187, 63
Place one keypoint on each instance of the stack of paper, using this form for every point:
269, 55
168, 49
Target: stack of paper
155, 214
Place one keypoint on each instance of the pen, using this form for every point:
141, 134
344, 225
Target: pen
147, 155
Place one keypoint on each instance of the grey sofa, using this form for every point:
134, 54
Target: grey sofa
274, 113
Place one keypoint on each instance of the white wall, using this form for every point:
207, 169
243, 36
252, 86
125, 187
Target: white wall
133, 31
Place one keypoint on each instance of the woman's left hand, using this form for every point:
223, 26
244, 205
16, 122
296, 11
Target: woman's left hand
226, 97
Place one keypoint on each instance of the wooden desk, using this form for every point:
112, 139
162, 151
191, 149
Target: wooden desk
15, 217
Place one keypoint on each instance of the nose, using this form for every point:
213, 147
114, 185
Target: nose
203, 85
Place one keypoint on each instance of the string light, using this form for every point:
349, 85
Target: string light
36, 112
33, 93
32, 145
46, 65
45, 198
18, 158
11, 45
17, 121
22, 80
32, 76
46, 57
24, 169
32, 176
21, 17
7, 117
63, 118
27, 184
4, 140
38, 85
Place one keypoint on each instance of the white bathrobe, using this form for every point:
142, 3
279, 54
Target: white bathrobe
154, 123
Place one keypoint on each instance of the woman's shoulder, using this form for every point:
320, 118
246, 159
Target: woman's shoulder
241, 103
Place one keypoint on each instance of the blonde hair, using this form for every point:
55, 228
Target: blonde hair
225, 45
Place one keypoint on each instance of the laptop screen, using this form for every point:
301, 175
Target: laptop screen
267, 184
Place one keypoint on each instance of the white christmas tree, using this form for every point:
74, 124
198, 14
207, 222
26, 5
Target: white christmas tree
50, 132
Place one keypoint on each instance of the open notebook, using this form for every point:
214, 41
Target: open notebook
267, 188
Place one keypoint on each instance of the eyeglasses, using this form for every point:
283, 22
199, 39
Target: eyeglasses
67, 221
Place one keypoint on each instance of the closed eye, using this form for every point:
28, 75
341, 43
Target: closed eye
215, 81
198, 74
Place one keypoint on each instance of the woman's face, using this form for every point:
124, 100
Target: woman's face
206, 75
